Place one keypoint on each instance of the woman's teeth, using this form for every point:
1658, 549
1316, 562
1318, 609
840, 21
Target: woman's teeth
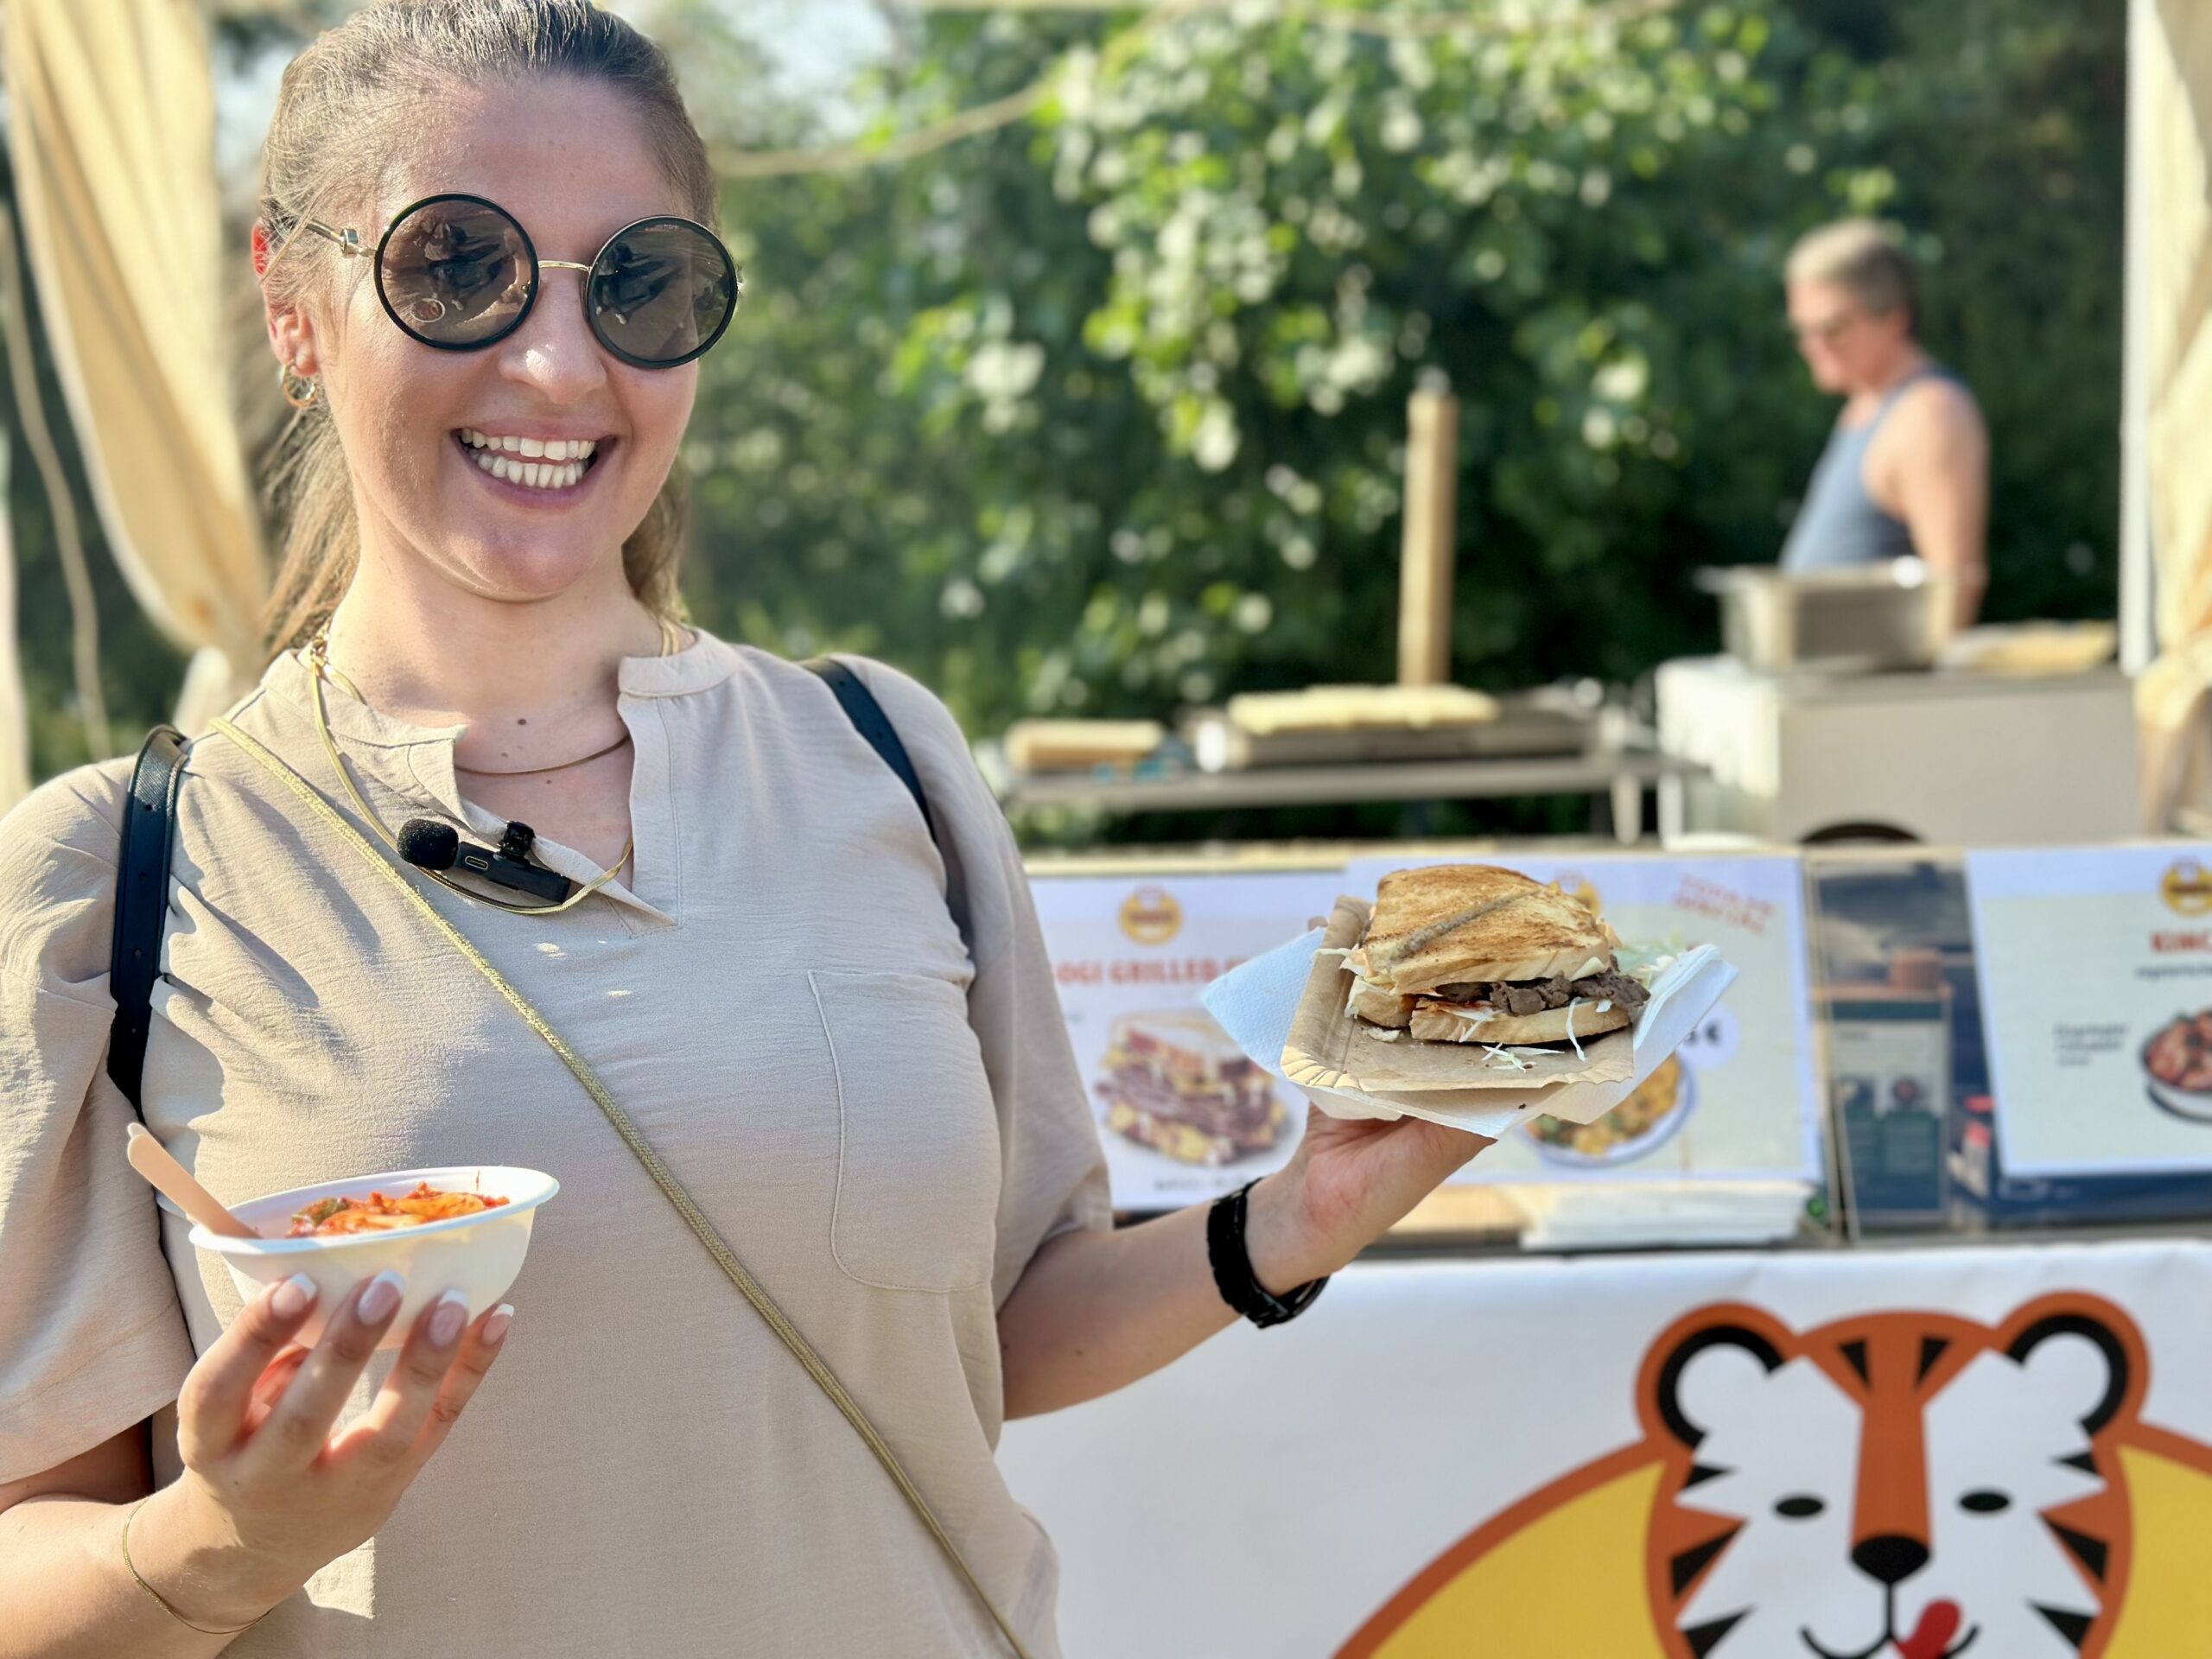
537, 463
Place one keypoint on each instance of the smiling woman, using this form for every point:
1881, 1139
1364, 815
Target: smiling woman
488, 261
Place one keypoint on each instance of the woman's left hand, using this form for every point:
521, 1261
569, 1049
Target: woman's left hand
1349, 1181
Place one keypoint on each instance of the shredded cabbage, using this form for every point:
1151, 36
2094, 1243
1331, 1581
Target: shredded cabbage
1570, 1037
1644, 962
1506, 1060
1478, 1016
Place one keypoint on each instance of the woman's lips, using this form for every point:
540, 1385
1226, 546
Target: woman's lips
514, 488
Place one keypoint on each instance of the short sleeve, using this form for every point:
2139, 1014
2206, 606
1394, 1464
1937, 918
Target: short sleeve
92, 1337
1054, 1174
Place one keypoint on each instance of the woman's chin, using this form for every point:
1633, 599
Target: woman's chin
529, 573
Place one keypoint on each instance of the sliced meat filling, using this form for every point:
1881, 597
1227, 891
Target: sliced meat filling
1526, 996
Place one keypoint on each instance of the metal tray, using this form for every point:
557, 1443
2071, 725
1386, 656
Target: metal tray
1518, 733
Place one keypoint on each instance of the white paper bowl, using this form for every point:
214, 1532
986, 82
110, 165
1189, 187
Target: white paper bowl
479, 1255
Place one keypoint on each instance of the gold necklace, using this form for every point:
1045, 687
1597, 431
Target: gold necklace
535, 772
319, 667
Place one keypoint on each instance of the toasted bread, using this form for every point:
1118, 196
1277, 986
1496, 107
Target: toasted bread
1380, 1007
1455, 923
1434, 1022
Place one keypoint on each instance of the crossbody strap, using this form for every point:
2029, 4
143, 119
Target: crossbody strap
142, 899
815, 1366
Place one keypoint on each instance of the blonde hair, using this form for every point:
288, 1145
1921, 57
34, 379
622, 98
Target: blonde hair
1863, 258
338, 118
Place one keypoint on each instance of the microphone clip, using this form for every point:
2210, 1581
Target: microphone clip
434, 846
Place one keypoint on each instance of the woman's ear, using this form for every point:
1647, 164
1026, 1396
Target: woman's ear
291, 331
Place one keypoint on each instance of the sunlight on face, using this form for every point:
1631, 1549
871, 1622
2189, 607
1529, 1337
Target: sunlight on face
572, 164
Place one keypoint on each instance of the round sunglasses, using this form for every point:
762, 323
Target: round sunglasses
459, 273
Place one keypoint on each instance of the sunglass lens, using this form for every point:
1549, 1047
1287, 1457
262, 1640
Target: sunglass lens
662, 292
455, 272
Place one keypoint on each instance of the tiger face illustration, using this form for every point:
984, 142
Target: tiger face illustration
1897, 1485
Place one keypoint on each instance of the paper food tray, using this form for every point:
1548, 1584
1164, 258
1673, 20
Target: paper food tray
1286, 1009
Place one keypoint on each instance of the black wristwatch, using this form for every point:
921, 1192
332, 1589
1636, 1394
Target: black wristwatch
1232, 1267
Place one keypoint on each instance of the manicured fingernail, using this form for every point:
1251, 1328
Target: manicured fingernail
382, 1297
495, 1328
447, 1319
291, 1298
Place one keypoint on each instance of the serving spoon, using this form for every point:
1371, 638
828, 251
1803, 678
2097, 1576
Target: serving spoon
175, 1182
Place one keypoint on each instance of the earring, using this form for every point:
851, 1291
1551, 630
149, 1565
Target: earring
299, 391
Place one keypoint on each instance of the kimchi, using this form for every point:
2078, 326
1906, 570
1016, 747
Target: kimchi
379, 1213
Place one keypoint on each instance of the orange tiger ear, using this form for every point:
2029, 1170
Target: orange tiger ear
2106, 1326
1726, 1325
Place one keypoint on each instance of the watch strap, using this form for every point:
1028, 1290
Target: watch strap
1232, 1267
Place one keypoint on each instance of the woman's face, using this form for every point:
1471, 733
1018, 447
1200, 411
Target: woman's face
570, 162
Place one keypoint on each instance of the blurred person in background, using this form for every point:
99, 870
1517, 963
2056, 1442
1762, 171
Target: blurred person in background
1906, 471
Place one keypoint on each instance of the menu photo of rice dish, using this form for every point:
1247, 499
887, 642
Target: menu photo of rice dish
1172, 1080
1640, 1125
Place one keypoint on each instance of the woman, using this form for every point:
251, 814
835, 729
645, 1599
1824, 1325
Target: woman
880, 1114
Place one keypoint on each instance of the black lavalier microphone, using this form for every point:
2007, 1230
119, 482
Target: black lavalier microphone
430, 845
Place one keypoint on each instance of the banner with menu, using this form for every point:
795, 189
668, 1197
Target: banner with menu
2095, 970
1741, 1098
1183, 1115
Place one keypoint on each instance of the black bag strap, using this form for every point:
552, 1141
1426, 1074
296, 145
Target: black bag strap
141, 900
871, 722
142, 886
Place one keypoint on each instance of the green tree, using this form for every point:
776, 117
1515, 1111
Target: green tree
1103, 411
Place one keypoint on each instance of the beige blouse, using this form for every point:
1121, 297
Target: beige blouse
885, 1130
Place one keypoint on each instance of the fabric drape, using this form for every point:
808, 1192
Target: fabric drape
2174, 695
112, 128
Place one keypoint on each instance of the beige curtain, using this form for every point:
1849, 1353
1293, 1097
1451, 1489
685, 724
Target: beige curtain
2171, 80
14, 729
112, 126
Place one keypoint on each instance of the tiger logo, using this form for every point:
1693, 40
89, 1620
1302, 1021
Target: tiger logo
1896, 1485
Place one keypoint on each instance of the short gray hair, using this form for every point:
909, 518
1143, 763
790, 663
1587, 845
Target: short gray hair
1863, 258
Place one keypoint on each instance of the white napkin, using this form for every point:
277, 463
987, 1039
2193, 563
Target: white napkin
1257, 1001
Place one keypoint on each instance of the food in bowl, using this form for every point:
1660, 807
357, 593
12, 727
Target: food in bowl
2180, 1055
378, 1213
1649, 1115
2178, 1064
478, 1254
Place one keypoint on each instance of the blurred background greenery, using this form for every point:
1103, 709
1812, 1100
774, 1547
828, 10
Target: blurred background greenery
1101, 410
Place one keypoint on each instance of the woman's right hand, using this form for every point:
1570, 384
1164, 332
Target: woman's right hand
269, 1494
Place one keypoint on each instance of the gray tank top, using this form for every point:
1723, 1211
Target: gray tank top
1840, 524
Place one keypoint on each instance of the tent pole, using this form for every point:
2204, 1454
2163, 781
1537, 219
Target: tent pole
2138, 641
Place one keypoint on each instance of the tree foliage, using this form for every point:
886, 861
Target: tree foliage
1104, 412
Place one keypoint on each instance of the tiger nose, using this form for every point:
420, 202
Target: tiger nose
1890, 1557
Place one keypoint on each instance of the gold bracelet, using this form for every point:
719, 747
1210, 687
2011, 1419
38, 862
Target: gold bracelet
163, 1600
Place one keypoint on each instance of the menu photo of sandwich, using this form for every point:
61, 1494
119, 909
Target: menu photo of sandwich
1172, 1080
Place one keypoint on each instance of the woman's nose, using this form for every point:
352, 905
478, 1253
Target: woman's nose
555, 351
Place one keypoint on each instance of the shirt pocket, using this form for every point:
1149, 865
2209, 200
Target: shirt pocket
917, 1140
